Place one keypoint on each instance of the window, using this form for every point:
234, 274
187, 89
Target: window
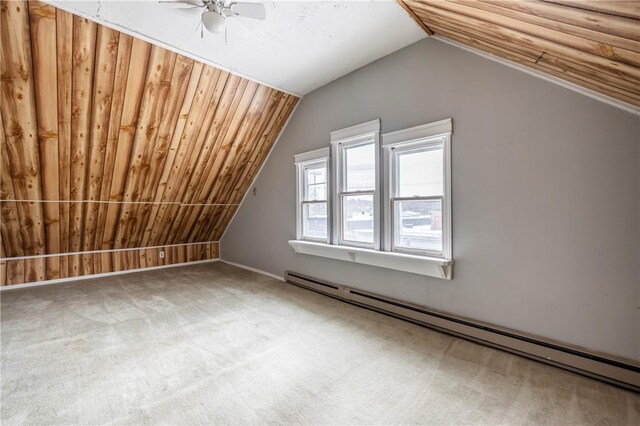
388, 206
417, 201
313, 190
357, 205
417, 194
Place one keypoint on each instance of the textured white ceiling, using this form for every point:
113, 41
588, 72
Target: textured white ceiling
301, 46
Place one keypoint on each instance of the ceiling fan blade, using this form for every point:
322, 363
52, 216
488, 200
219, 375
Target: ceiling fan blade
183, 4
249, 10
192, 10
213, 21
227, 12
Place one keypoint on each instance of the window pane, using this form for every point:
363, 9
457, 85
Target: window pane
358, 218
360, 168
315, 181
420, 173
418, 224
314, 220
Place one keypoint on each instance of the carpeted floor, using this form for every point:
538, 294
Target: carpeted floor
212, 343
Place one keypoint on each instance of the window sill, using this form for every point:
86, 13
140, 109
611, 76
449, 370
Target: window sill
429, 266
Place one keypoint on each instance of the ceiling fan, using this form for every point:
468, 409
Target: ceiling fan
215, 12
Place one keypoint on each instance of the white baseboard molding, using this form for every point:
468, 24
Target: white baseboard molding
102, 275
82, 253
257, 271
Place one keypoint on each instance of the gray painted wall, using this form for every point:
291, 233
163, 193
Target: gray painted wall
546, 196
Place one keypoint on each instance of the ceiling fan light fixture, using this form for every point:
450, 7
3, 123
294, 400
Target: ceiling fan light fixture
213, 22
215, 12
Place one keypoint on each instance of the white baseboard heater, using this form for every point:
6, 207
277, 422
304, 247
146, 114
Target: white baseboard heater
621, 372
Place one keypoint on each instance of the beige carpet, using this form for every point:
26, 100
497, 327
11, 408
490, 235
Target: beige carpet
216, 344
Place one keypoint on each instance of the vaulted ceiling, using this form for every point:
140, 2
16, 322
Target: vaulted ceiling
110, 142
300, 46
593, 44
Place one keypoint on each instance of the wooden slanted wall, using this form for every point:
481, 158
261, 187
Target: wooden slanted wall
113, 149
593, 44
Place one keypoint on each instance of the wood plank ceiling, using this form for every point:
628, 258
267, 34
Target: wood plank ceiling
109, 142
594, 44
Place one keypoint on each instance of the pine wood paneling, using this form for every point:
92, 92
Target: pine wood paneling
9, 221
128, 123
107, 44
12, 271
82, 71
43, 47
161, 64
125, 45
595, 45
64, 52
543, 32
168, 168
18, 108
109, 142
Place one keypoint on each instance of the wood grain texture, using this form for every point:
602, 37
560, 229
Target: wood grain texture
11, 271
64, 37
107, 44
594, 44
18, 106
627, 8
84, 50
109, 142
415, 17
43, 47
12, 242
582, 44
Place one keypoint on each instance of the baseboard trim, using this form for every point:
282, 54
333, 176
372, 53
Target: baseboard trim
615, 370
258, 271
101, 275
117, 250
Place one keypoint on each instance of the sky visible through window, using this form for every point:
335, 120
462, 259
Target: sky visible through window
360, 166
420, 173
418, 222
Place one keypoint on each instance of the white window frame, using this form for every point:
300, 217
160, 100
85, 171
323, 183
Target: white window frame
360, 134
395, 143
305, 161
380, 254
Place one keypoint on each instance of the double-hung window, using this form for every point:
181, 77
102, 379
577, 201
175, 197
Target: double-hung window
382, 200
357, 176
417, 190
313, 195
